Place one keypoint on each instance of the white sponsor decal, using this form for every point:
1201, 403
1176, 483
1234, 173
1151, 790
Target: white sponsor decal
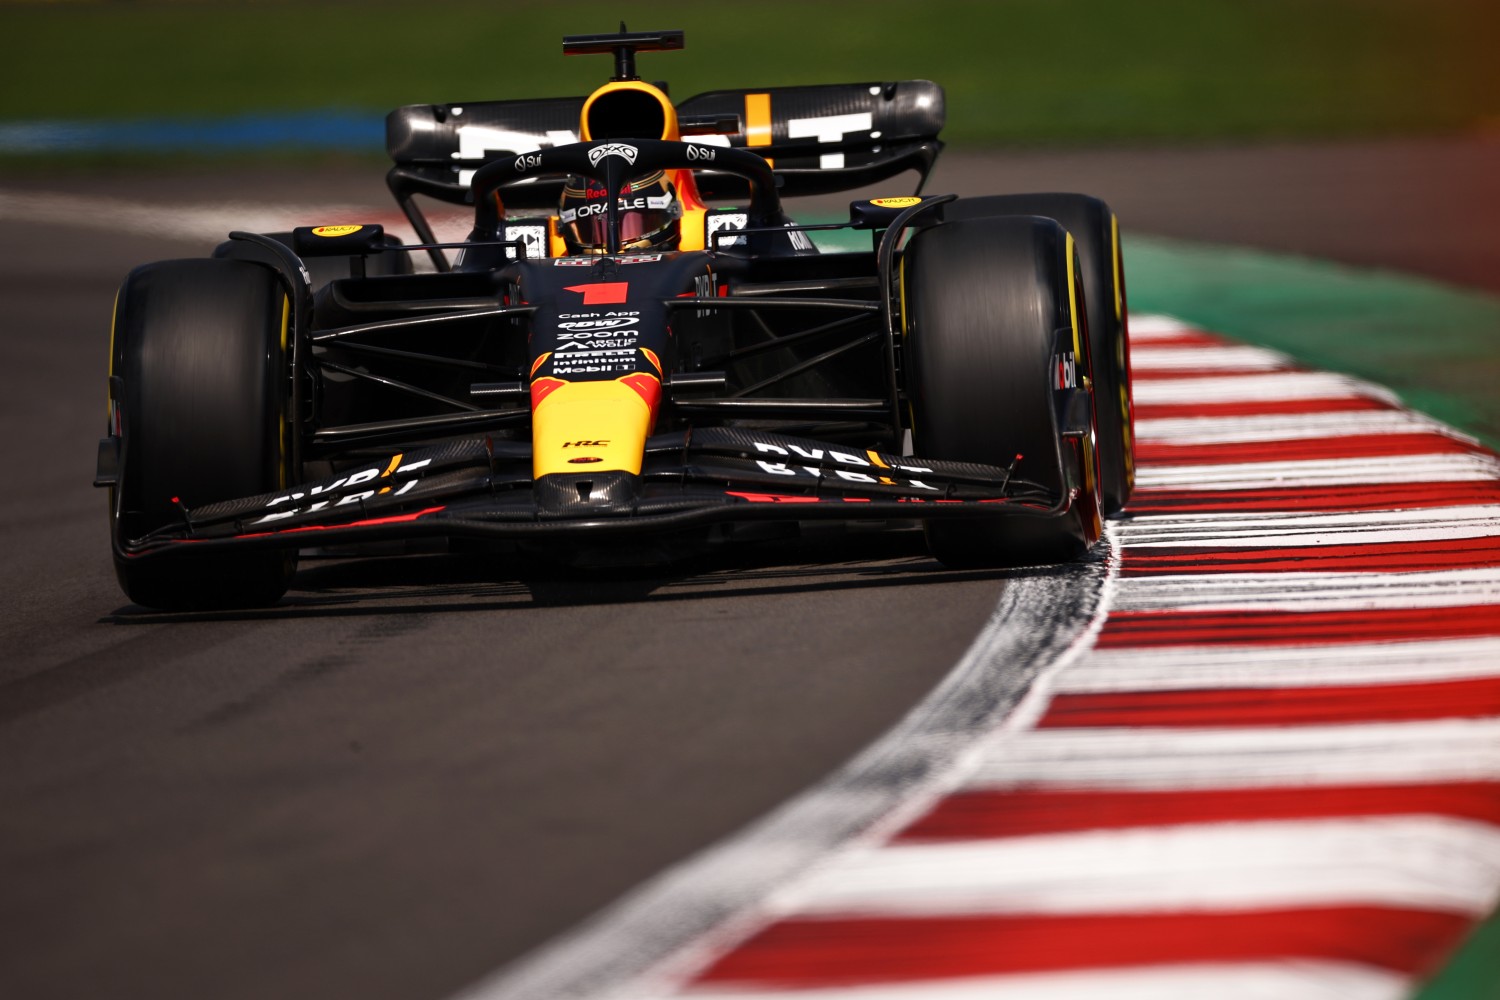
829, 128
476, 142
626, 153
1064, 371
590, 369
626, 205
816, 455
593, 343
533, 237
783, 469
727, 220
359, 477
606, 323
588, 350
706, 153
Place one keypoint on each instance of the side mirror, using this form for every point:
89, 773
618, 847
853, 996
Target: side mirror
338, 241
879, 213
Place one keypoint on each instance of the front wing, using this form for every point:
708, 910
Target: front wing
484, 489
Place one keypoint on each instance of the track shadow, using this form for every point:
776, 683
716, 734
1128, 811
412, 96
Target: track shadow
341, 586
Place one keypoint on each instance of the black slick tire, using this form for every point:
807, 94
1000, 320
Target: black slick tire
1096, 232
984, 301
200, 361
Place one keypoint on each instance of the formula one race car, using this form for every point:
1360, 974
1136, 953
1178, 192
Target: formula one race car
608, 355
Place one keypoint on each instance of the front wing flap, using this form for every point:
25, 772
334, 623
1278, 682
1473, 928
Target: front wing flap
484, 489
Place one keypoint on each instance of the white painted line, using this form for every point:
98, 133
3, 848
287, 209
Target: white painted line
1206, 667
1244, 757
1288, 979
1144, 527
1310, 591
1274, 529
1287, 427
1145, 360
1146, 327
1393, 470
1431, 863
1254, 388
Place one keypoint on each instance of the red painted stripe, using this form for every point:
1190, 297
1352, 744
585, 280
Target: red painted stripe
807, 954
1302, 706
1347, 446
1332, 499
1145, 373
1186, 338
1257, 407
1127, 629
1027, 811
1387, 557
368, 522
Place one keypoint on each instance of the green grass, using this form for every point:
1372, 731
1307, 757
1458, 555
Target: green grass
1432, 344
1016, 71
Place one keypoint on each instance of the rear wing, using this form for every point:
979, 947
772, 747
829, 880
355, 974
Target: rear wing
819, 139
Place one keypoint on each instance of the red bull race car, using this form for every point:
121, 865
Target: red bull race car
634, 340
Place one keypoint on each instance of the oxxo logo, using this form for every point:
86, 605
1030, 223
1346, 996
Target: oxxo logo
526, 161
626, 153
704, 153
586, 444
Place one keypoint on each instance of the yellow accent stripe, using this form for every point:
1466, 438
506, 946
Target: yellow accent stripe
693, 229
392, 467
875, 459
114, 317
1114, 232
1073, 301
1086, 448
901, 282
757, 119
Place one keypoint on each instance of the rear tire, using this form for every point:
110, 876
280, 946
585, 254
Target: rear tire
1097, 235
983, 302
201, 352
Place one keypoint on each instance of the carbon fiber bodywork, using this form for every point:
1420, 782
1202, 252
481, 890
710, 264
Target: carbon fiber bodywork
516, 393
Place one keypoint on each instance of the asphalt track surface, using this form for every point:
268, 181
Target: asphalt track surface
415, 770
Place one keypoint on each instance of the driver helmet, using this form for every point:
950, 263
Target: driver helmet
650, 215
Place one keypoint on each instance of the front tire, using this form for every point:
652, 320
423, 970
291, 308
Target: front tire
984, 302
202, 360
1097, 235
